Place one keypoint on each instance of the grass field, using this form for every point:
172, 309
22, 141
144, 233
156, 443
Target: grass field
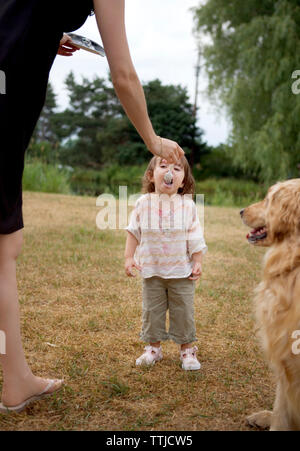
81, 317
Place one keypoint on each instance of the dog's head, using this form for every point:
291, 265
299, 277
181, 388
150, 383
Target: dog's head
275, 218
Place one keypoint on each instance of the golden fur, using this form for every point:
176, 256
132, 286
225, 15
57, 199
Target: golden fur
277, 298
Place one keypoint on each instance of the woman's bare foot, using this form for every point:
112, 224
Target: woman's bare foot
30, 386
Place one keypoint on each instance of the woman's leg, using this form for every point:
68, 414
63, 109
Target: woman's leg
21, 28
18, 381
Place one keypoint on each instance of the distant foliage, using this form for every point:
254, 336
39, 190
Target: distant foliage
46, 178
230, 192
94, 130
254, 49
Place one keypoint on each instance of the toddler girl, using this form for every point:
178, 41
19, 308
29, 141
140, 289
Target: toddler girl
165, 243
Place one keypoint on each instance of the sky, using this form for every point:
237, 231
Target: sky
162, 46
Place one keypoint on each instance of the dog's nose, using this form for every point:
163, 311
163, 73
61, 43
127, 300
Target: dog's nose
242, 212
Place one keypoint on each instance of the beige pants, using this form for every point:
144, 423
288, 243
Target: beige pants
175, 295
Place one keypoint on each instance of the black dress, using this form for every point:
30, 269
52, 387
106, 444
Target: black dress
30, 32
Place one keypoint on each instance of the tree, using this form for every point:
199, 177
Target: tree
254, 49
172, 117
92, 107
45, 140
44, 130
99, 132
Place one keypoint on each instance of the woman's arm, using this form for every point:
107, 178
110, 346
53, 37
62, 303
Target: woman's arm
110, 15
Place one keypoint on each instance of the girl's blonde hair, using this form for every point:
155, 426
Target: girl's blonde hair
188, 181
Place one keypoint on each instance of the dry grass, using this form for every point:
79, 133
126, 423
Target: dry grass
81, 316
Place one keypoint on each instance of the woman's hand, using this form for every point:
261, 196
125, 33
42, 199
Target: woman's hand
165, 148
66, 47
129, 265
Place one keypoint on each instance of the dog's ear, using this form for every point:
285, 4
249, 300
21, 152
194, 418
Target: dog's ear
283, 216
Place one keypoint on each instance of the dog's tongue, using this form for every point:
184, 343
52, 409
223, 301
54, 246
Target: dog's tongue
252, 232
257, 231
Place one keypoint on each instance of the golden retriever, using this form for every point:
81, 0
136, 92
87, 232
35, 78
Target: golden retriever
275, 222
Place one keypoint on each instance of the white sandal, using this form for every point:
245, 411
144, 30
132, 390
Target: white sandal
149, 357
44, 393
189, 359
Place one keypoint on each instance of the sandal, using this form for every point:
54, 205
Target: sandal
45, 392
189, 359
149, 357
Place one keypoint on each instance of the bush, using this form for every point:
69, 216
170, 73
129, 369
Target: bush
230, 192
39, 176
107, 180
42, 151
217, 163
43, 177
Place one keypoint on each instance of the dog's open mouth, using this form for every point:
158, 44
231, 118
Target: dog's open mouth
257, 234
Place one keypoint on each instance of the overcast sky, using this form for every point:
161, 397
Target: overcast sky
162, 46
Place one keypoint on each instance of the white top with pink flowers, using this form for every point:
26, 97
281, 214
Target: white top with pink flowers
168, 232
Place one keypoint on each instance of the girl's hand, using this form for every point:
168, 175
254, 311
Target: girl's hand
196, 272
165, 148
129, 265
66, 47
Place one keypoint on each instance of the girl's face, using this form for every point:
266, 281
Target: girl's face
161, 168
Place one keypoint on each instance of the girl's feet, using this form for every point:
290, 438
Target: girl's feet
150, 356
189, 359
